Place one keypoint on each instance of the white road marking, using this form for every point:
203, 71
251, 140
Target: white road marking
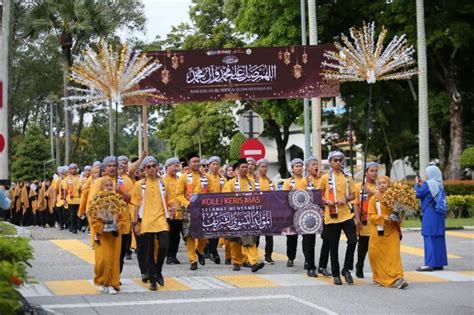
203, 283
452, 276
50, 307
35, 289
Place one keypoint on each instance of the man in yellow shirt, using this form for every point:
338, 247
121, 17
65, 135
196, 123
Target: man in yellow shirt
176, 221
263, 183
246, 245
71, 196
338, 190
309, 182
216, 185
361, 207
193, 182
150, 219
290, 184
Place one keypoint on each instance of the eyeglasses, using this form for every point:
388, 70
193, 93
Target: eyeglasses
151, 166
338, 160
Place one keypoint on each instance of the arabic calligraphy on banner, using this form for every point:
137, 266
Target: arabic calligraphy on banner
244, 214
240, 73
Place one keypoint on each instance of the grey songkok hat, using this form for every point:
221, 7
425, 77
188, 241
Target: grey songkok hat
214, 159
147, 160
262, 161
107, 161
310, 159
296, 161
333, 154
171, 161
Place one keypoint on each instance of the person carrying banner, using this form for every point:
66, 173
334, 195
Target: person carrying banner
216, 185
175, 221
263, 183
193, 182
338, 190
309, 182
361, 207
290, 184
245, 245
150, 219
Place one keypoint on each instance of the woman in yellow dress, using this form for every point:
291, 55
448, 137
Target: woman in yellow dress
107, 247
384, 245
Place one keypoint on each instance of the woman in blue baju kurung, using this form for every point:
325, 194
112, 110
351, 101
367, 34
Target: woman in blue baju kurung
434, 208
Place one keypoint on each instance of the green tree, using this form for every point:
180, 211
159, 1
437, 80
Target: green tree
203, 127
74, 23
31, 153
235, 144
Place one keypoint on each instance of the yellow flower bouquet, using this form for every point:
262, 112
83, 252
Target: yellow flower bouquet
106, 206
401, 198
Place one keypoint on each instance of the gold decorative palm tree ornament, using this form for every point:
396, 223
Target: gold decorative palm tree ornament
109, 77
366, 59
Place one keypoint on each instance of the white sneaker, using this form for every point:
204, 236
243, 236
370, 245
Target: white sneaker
112, 291
104, 290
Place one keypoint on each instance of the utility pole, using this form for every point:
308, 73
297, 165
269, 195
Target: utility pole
423, 120
306, 110
6, 14
315, 102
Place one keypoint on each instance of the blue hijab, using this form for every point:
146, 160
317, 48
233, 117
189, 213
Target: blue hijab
435, 184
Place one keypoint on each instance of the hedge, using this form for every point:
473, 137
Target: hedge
460, 206
15, 252
459, 187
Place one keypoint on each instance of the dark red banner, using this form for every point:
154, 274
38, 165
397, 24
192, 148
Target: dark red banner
240, 73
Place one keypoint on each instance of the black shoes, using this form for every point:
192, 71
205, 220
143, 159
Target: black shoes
269, 260
347, 276
359, 273
424, 269
438, 268
257, 267
153, 286
228, 261
145, 278
160, 280
312, 273
216, 259
201, 258
290, 263
236, 267
337, 281
194, 266
324, 272
172, 261
246, 265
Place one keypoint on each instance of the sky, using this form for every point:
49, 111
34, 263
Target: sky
161, 15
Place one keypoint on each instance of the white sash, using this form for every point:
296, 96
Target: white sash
237, 184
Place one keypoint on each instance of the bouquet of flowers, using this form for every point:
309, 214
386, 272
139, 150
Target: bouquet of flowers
401, 198
106, 206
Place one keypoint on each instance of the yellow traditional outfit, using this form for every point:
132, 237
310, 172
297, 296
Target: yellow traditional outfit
107, 252
364, 232
175, 222
384, 245
192, 183
71, 188
247, 245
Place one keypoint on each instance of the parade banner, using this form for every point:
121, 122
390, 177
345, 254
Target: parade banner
239, 74
255, 213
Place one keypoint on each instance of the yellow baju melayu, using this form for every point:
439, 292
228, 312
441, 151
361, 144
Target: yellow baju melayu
237, 250
191, 183
384, 250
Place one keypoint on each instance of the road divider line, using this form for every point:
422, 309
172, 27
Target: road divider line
420, 251
460, 234
72, 287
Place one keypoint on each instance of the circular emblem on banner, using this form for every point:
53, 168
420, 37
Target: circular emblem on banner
308, 220
300, 198
193, 197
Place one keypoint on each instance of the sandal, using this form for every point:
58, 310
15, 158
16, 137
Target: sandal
424, 269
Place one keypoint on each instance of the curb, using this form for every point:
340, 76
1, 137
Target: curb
20, 230
468, 227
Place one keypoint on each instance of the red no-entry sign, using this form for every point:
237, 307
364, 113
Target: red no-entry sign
252, 148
